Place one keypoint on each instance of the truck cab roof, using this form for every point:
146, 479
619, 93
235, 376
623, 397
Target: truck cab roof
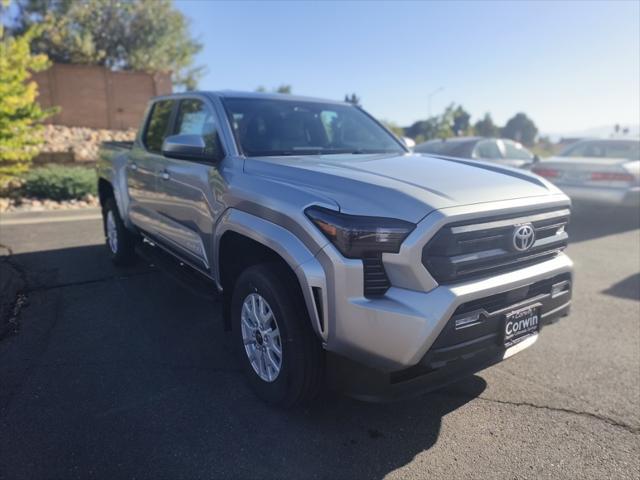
249, 95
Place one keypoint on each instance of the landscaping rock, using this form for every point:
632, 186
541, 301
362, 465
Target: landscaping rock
77, 144
34, 205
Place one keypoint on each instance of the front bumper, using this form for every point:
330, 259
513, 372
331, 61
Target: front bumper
396, 331
457, 352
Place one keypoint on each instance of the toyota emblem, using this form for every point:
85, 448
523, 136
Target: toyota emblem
523, 237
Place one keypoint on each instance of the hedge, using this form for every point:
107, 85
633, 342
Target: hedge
58, 182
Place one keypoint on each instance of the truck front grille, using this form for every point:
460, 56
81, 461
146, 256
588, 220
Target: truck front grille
480, 247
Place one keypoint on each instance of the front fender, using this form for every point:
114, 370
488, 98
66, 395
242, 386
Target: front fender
290, 248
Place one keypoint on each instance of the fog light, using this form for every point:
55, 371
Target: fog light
558, 289
468, 321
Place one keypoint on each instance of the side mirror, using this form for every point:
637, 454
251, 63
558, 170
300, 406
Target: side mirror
536, 159
187, 147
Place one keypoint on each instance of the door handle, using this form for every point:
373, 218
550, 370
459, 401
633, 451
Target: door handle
134, 166
165, 175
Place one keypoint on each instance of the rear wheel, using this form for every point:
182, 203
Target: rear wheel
120, 241
281, 356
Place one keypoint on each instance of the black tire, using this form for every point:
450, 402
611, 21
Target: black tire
302, 368
123, 252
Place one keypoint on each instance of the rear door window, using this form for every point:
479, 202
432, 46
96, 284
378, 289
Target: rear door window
158, 125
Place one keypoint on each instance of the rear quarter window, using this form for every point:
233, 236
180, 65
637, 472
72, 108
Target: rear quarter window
488, 150
516, 151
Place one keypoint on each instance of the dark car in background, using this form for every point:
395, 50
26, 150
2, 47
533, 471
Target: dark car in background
497, 150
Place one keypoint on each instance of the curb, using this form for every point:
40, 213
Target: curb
49, 216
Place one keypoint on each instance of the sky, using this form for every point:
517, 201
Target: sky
568, 65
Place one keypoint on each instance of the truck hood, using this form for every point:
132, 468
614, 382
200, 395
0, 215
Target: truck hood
407, 187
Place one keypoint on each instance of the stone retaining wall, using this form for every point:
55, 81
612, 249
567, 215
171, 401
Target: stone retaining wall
77, 144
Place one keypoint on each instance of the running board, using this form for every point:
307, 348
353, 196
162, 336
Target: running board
187, 276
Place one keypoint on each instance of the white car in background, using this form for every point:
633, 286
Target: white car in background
493, 150
605, 171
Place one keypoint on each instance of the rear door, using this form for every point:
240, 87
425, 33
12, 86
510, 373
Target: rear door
144, 164
190, 190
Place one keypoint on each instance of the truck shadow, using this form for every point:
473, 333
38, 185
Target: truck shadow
591, 222
129, 374
628, 288
363, 440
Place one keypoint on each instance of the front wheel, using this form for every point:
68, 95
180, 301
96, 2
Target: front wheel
281, 356
120, 241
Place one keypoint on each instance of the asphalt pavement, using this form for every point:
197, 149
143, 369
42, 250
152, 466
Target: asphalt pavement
113, 374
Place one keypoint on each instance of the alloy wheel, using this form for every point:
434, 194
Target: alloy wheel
261, 337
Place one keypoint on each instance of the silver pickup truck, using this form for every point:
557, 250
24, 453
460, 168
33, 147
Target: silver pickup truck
340, 256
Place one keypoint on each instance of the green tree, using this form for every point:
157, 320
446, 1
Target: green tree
485, 127
20, 114
421, 130
395, 128
544, 147
353, 98
147, 35
444, 123
521, 129
453, 121
461, 123
284, 88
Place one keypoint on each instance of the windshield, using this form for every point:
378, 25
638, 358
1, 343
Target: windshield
628, 149
265, 127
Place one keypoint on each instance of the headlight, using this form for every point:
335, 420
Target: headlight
356, 236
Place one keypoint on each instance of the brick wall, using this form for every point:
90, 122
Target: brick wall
95, 97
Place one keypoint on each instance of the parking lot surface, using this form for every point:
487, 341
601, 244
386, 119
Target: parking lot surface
127, 374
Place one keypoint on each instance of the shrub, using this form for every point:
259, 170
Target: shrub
58, 182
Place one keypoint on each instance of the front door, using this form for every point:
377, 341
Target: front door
189, 191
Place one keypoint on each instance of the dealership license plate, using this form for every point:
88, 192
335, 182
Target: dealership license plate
520, 324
